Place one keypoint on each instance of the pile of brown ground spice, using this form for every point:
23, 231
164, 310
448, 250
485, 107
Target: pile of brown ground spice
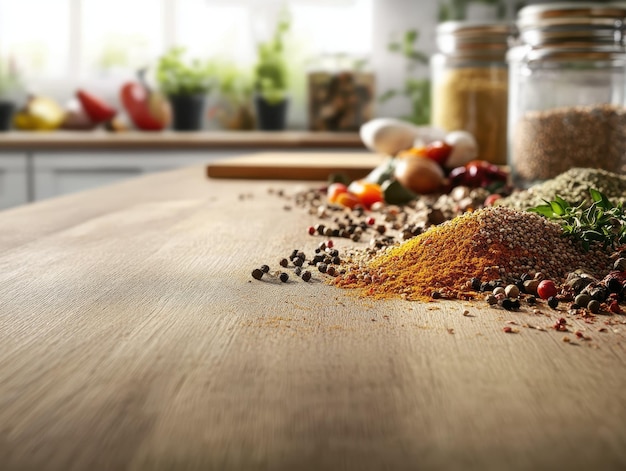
489, 244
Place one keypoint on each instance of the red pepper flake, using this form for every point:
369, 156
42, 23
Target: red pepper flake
371, 221
509, 330
330, 244
614, 308
311, 230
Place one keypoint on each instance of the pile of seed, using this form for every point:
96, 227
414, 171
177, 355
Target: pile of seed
547, 143
491, 243
573, 186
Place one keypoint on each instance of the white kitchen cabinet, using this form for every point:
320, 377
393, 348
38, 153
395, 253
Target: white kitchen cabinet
13, 179
60, 173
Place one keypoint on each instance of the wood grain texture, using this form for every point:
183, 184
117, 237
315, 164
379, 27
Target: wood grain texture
168, 140
133, 337
290, 166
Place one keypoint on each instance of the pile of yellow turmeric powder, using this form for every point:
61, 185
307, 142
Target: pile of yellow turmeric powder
489, 244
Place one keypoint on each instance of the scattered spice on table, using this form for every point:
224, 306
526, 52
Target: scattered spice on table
491, 243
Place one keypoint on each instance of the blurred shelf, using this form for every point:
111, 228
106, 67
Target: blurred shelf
170, 140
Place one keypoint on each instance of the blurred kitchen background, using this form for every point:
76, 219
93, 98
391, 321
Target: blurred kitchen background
54, 47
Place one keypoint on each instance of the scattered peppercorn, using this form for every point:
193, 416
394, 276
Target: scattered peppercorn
435, 295
531, 300
511, 291
322, 267
284, 262
306, 276
593, 306
298, 271
257, 273
491, 299
265, 268
311, 230
284, 277
553, 302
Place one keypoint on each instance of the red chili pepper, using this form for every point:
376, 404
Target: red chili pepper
97, 109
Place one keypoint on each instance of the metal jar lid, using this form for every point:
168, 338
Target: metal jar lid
555, 24
470, 38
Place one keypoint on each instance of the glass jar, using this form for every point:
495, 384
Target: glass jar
341, 93
470, 83
567, 90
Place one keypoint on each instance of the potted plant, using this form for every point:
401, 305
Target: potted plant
186, 85
9, 83
270, 82
234, 106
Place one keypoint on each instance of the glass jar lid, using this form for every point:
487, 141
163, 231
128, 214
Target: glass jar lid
567, 24
471, 38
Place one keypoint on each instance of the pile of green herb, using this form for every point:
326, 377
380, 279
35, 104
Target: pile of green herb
600, 222
572, 186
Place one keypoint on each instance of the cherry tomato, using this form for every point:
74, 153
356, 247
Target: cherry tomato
546, 289
334, 190
348, 200
367, 192
438, 151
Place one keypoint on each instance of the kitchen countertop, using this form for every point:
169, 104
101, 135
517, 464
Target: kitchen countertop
170, 140
132, 336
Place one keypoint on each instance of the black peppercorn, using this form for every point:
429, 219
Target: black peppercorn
322, 267
475, 283
506, 303
553, 302
284, 262
336, 260
257, 273
531, 300
298, 271
435, 295
284, 277
298, 261
306, 276
265, 268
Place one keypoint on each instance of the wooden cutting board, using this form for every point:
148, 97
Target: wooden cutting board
295, 165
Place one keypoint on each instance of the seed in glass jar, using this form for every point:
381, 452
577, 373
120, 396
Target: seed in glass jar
284, 277
306, 276
284, 262
265, 268
257, 273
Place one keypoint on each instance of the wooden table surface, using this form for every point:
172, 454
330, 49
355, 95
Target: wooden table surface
172, 140
133, 337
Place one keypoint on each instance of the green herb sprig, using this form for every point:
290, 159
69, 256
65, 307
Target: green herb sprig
601, 222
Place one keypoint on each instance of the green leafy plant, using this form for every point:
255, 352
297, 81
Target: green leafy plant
457, 9
9, 79
178, 77
270, 72
601, 222
417, 90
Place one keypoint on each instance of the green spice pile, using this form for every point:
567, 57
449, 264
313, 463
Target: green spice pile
573, 186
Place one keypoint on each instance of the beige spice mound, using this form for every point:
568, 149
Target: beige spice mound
491, 243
